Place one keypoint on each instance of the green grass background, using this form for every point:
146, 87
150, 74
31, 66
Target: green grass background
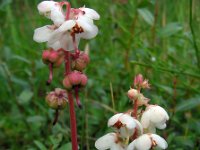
150, 37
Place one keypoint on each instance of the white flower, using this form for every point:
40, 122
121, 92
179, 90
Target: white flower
125, 124
63, 33
109, 141
53, 11
154, 116
148, 141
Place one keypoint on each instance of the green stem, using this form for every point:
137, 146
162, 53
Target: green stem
193, 36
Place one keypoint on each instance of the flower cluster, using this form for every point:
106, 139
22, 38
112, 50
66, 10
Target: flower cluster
136, 130
68, 27
62, 38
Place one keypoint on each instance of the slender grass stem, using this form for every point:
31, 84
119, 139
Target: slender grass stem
193, 35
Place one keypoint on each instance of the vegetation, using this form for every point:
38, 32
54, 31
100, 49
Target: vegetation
159, 39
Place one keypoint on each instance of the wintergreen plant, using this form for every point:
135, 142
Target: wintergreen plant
136, 128
62, 38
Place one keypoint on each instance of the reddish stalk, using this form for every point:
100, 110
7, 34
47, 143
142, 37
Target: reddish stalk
71, 106
50, 74
78, 102
77, 52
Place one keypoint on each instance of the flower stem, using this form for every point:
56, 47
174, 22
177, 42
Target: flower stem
50, 74
71, 106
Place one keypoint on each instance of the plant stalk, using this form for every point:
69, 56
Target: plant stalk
71, 106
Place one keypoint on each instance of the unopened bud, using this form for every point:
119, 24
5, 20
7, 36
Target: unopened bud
57, 99
138, 80
81, 62
75, 78
45, 56
54, 57
133, 94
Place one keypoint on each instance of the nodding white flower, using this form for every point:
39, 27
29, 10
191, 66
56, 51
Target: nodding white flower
65, 33
53, 11
110, 141
148, 141
125, 124
154, 117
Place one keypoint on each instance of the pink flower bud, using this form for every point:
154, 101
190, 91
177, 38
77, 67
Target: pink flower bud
138, 80
45, 56
59, 62
67, 83
81, 62
84, 80
53, 57
57, 99
133, 94
75, 78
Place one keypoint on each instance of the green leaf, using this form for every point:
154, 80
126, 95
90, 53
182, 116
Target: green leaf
20, 58
4, 3
170, 29
40, 145
146, 15
35, 119
67, 146
188, 104
25, 96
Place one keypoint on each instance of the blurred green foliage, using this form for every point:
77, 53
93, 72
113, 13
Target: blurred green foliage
151, 37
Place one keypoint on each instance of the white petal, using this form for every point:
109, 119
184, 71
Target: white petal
106, 141
161, 126
90, 13
145, 119
143, 142
131, 146
128, 121
57, 16
114, 119
117, 147
90, 34
55, 46
124, 132
55, 36
67, 42
67, 25
152, 128
46, 6
42, 34
158, 114
139, 126
161, 143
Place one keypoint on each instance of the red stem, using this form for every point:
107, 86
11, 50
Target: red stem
135, 109
71, 106
77, 52
50, 74
78, 102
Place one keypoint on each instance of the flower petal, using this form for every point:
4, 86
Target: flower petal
161, 143
90, 34
145, 119
139, 126
67, 25
143, 142
161, 126
90, 13
55, 46
128, 121
42, 34
114, 119
57, 16
46, 6
117, 147
131, 146
106, 141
